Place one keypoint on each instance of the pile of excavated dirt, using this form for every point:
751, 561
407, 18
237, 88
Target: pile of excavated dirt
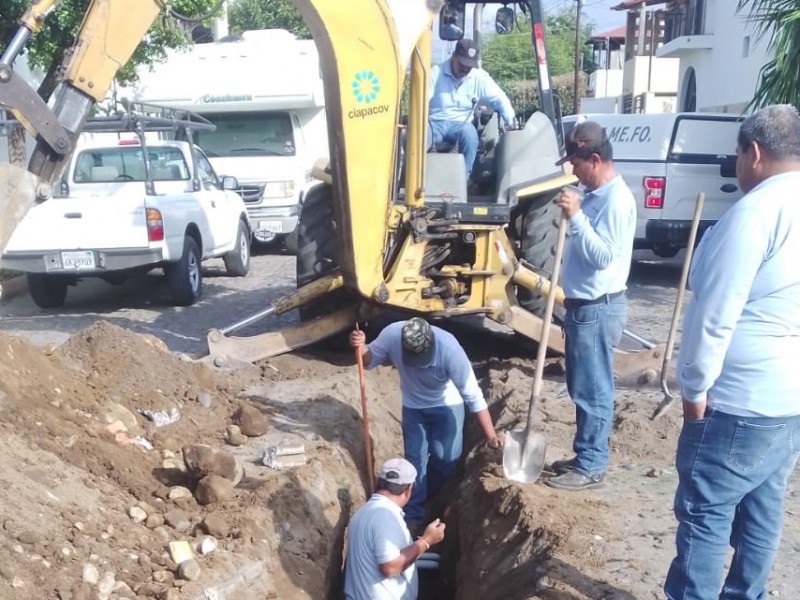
95, 491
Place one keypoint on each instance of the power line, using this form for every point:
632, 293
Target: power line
577, 58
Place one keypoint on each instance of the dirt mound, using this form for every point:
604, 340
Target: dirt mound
90, 505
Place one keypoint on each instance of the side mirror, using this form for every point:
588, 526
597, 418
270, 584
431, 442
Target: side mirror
504, 20
451, 22
229, 183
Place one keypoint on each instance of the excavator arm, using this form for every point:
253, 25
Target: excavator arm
109, 34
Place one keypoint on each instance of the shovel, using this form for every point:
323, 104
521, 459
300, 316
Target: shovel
524, 451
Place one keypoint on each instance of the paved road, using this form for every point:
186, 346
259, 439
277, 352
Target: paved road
142, 304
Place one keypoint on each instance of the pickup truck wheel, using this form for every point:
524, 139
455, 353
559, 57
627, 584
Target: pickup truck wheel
237, 261
665, 251
539, 236
185, 277
47, 291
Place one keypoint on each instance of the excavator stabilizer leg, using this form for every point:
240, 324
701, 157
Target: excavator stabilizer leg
229, 351
632, 369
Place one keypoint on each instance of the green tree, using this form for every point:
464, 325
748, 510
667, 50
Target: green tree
509, 59
777, 21
48, 48
266, 14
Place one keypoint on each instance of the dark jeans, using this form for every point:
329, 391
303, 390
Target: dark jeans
592, 332
432, 441
460, 133
732, 479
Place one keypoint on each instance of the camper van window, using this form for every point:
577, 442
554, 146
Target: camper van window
248, 134
126, 163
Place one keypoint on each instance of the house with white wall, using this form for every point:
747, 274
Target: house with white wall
720, 53
631, 77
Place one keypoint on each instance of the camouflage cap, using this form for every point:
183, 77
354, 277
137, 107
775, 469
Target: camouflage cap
417, 339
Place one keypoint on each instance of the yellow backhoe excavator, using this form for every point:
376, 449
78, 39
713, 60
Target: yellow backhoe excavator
393, 226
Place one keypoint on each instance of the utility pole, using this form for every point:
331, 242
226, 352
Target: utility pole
577, 58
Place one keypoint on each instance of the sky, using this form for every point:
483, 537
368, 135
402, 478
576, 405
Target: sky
598, 11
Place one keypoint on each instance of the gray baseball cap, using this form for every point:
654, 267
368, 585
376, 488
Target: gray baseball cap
398, 470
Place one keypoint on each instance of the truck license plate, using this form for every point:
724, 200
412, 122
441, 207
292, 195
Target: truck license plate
78, 260
271, 226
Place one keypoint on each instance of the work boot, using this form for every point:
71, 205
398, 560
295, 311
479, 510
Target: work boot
574, 481
559, 467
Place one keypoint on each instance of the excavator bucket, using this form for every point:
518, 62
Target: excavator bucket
18, 190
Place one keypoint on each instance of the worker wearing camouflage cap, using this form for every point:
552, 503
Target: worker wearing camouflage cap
436, 381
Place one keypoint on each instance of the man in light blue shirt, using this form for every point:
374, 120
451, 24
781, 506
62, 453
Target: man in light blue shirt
455, 87
381, 555
597, 259
436, 380
737, 370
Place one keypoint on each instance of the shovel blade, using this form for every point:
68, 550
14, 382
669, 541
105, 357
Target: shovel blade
524, 455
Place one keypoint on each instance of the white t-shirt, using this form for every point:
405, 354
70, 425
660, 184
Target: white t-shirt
376, 535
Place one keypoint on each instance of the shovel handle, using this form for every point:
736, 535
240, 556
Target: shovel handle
676, 312
365, 420
541, 353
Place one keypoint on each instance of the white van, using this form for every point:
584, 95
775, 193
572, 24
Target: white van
666, 160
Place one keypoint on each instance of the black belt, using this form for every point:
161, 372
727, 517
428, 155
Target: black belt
578, 302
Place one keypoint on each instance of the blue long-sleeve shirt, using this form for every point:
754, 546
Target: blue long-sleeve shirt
599, 249
447, 381
741, 331
451, 98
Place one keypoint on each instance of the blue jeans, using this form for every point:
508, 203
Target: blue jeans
461, 133
732, 479
592, 332
432, 441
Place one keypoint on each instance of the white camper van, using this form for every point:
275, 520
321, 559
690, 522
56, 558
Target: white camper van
263, 91
666, 160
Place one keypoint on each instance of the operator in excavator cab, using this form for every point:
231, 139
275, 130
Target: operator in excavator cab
456, 86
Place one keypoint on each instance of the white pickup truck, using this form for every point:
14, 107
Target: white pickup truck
124, 207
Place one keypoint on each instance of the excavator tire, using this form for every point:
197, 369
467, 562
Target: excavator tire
539, 235
318, 249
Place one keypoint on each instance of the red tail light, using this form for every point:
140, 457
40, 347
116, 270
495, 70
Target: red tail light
654, 191
155, 225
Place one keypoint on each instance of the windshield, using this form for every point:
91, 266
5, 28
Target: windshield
248, 134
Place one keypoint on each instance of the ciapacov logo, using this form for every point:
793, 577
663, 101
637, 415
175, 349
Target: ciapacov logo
366, 88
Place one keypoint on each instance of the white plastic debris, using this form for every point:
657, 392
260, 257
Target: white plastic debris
281, 458
142, 442
162, 417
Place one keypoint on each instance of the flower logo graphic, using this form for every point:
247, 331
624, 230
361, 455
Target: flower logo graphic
366, 87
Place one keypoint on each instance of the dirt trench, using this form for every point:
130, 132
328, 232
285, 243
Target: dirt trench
73, 478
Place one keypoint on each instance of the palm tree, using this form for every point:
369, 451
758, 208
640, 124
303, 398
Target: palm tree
779, 22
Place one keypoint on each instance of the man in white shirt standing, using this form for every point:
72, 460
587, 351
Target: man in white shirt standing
738, 374
381, 556
597, 260
455, 86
